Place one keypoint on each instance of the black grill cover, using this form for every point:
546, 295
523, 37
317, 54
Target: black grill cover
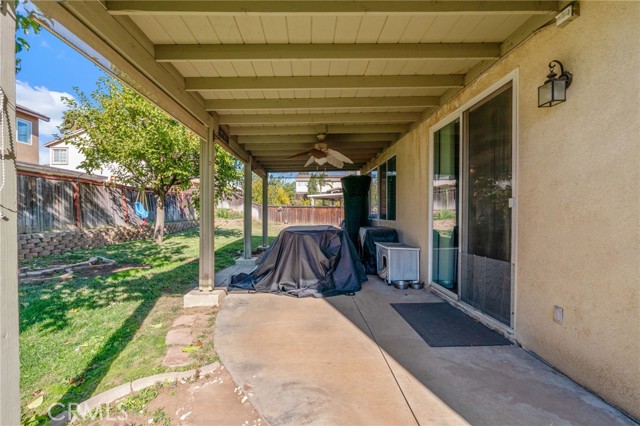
369, 236
304, 261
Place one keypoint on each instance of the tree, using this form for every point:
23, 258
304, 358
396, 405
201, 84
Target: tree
280, 193
229, 175
25, 22
316, 182
139, 144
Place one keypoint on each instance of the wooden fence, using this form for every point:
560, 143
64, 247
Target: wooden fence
445, 199
307, 215
58, 203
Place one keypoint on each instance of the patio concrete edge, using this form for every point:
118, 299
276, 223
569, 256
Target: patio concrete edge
137, 385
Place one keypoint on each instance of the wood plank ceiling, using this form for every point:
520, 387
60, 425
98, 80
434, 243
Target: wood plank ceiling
277, 73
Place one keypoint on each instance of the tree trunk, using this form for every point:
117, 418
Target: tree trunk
158, 231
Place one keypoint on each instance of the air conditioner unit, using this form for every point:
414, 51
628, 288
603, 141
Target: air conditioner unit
398, 262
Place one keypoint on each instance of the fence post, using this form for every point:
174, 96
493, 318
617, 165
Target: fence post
77, 205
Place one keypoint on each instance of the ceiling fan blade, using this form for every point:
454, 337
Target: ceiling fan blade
335, 162
318, 153
300, 154
339, 156
309, 161
321, 161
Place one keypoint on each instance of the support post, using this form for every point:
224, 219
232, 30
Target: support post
247, 209
207, 212
9, 353
265, 210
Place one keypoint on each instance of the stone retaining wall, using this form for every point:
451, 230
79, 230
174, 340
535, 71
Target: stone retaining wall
43, 244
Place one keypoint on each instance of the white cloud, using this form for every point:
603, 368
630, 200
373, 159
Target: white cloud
46, 102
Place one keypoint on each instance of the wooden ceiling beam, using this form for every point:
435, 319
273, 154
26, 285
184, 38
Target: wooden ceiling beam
353, 154
331, 138
318, 169
377, 117
440, 81
322, 51
321, 103
283, 159
301, 146
211, 7
314, 130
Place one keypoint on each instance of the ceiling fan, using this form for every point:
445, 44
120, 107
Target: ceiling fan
321, 154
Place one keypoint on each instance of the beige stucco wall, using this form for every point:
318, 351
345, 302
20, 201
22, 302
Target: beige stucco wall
25, 152
578, 206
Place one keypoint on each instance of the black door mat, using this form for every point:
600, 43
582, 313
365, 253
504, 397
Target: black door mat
442, 325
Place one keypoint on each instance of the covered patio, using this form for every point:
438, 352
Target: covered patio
354, 360
268, 79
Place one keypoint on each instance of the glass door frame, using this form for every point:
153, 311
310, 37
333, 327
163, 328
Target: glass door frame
461, 115
450, 119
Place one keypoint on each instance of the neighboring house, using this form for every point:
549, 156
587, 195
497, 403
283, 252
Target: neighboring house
28, 134
64, 155
331, 182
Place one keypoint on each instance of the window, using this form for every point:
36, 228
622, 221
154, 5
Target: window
382, 194
391, 189
373, 195
24, 131
60, 156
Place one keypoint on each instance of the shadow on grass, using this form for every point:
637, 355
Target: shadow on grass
228, 233
174, 282
226, 256
125, 299
48, 305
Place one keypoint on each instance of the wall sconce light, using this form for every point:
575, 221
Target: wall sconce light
554, 90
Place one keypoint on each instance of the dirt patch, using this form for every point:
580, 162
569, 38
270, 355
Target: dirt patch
98, 270
89, 271
200, 351
213, 399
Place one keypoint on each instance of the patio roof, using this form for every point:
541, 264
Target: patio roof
274, 74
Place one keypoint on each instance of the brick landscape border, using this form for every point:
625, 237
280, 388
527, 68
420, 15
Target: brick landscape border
43, 244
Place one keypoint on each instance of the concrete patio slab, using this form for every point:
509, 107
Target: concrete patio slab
354, 360
223, 277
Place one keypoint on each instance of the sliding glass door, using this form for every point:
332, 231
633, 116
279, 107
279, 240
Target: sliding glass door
444, 225
485, 263
471, 206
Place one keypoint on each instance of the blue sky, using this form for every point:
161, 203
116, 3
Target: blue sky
50, 70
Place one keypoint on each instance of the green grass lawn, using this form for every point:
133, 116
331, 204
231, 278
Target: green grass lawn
84, 335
